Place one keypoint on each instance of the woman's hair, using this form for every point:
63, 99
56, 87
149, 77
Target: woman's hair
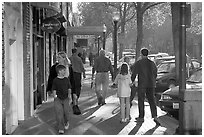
124, 69
64, 55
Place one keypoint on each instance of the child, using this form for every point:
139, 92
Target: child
124, 82
62, 96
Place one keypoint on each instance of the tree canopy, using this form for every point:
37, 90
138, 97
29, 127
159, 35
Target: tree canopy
146, 24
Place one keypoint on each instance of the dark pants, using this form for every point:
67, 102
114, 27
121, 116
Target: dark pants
76, 83
75, 80
133, 93
61, 111
151, 99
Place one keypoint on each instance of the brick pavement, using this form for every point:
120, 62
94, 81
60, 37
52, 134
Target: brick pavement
95, 120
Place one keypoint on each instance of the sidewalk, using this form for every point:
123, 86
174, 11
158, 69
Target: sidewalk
97, 120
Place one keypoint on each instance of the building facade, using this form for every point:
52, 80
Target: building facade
28, 52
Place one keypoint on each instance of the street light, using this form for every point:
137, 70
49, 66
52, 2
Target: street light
98, 44
116, 17
104, 39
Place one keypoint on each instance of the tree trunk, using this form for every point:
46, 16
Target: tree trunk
175, 6
139, 30
121, 45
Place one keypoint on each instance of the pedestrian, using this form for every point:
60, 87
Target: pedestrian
62, 96
84, 54
102, 65
123, 80
134, 88
90, 58
76, 71
80, 55
147, 73
63, 60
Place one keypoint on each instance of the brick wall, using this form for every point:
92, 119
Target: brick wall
26, 57
3, 77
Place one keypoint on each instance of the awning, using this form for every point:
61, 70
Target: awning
60, 17
45, 5
61, 31
85, 30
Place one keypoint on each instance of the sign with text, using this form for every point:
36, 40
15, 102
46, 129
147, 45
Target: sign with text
51, 25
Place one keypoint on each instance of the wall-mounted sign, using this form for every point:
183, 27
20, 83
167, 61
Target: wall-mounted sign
51, 25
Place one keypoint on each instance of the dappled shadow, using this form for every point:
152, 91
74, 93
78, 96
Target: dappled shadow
135, 129
151, 131
111, 126
168, 121
90, 111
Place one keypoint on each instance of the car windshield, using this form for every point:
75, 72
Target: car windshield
166, 67
196, 77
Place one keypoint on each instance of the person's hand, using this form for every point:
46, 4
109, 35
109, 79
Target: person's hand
114, 85
112, 79
70, 100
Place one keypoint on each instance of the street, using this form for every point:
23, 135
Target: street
97, 120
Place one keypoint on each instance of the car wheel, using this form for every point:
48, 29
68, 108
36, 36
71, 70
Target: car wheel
172, 84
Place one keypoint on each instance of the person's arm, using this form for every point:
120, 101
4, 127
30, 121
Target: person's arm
83, 69
130, 81
116, 80
94, 66
69, 96
54, 93
54, 88
134, 72
111, 70
154, 69
52, 75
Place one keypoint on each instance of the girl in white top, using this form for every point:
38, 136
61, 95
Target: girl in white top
123, 80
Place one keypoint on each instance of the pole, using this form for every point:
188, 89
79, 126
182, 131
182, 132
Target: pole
98, 45
182, 65
104, 41
115, 48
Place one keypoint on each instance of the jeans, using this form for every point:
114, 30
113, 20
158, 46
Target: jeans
61, 111
124, 107
102, 81
151, 99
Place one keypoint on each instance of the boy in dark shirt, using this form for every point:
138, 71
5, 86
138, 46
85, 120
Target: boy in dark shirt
62, 96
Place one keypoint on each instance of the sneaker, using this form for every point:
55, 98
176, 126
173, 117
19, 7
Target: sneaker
156, 121
103, 103
138, 119
127, 119
122, 120
61, 131
100, 101
66, 126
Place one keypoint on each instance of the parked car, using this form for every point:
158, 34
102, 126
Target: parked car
169, 100
128, 52
130, 56
158, 55
166, 76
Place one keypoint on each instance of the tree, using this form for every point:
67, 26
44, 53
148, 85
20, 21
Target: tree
126, 14
141, 7
99, 13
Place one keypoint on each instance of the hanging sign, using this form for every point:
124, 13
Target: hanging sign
51, 25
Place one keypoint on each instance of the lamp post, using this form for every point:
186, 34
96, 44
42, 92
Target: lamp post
116, 17
104, 39
98, 44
